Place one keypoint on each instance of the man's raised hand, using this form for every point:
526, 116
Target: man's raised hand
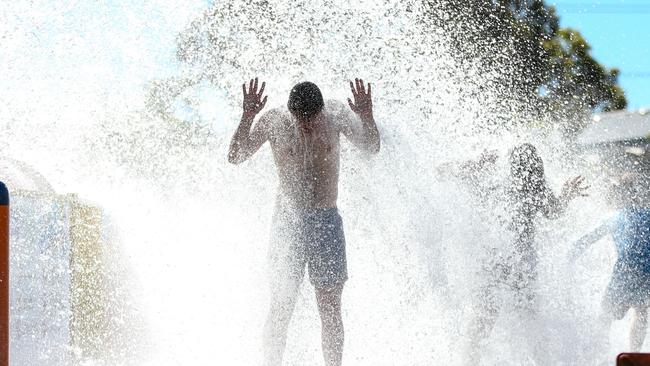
253, 102
362, 104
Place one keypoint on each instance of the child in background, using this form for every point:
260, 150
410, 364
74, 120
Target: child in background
629, 286
527, 196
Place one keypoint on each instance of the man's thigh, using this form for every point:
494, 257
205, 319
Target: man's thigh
326, 252
287, 260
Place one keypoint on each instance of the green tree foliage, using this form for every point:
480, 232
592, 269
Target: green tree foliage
574, 72
510, 56
549, 66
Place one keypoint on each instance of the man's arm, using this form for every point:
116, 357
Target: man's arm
367, 136
246, 142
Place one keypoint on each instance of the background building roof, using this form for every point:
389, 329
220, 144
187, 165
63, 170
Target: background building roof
616, 127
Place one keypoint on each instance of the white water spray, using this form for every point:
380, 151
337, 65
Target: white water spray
194, 230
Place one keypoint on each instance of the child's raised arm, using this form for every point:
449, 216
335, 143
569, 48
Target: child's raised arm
581, 244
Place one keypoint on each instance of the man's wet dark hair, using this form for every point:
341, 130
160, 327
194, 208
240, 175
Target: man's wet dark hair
305, 100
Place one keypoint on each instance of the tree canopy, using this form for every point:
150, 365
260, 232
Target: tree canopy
554, 67
512, 49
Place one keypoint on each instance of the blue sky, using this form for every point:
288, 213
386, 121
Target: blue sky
619, 33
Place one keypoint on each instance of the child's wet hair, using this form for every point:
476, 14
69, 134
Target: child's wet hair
527, 168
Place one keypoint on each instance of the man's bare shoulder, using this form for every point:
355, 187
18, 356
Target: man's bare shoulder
334, 106
276, 121
339, 113
275, 115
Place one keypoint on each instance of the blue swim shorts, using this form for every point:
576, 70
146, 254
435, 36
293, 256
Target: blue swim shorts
311, 238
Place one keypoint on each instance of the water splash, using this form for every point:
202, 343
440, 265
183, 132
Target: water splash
195, 229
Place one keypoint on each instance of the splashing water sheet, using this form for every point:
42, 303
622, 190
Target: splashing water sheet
131, 105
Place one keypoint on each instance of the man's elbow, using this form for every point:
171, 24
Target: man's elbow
234, 159
370, 149
374, 149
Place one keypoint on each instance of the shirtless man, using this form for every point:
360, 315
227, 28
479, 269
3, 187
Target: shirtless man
307, 229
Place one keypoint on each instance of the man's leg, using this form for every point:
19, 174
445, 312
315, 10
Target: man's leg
639, 326
283, 301
287, 266
329, 306
328, 273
